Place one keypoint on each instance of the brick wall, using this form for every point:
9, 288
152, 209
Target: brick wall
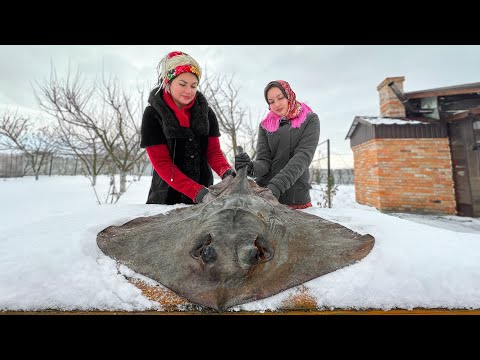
405, 175
390, 105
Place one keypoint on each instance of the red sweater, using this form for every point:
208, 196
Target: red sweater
163, 165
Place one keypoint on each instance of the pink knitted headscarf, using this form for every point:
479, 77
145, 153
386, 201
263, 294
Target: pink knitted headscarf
297, 112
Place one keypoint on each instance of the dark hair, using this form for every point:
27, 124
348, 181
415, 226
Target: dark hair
273, 84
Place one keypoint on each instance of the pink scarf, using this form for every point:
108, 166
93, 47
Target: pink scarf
272, 121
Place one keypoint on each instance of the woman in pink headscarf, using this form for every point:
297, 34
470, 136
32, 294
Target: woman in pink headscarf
287, 139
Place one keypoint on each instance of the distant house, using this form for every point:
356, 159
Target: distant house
422, 154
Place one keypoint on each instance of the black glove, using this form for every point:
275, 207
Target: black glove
201, 194
242, 160
229, 172
274, 189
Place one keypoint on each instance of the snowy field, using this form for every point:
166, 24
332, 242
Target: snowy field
49, 258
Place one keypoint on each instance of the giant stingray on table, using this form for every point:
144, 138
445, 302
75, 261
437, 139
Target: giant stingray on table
239, 246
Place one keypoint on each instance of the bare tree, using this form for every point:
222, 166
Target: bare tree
60, 99
222, 96
249, 134
343, 176
18, 133
85, 145
141, 165
100, 118
315, 174
120, 132
338, 175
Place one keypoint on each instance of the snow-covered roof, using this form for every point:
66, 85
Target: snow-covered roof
388, 121
380, 120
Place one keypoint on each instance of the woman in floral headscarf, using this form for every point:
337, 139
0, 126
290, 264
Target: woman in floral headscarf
287, 139
181, 135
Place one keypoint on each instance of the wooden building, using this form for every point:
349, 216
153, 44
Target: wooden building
422, 154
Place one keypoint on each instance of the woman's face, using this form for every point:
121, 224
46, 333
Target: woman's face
277, 102
183, 89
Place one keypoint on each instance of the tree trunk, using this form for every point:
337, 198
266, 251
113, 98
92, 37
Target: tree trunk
123, 182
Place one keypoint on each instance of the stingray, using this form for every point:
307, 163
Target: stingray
238, 246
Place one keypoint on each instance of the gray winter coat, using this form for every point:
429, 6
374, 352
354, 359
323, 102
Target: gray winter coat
283, 159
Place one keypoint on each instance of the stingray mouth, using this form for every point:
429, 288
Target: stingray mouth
248, 253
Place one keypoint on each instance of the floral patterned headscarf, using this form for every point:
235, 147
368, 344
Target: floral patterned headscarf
294, 106
174, 64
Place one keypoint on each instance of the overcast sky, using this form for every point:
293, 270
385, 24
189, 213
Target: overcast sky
337, 81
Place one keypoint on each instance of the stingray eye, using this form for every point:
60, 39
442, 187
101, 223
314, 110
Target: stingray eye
209, 254
201, 244
258, 252
252, 256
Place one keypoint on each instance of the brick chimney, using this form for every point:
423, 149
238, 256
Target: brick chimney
390, 105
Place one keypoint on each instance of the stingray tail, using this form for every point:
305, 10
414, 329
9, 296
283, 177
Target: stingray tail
240, 185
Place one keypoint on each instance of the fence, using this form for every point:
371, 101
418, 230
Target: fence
12, 165
320, 168
16, 165
340, 176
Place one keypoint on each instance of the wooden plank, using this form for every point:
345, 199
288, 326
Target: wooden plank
301, 302
463, 115
416, 311
441, 92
